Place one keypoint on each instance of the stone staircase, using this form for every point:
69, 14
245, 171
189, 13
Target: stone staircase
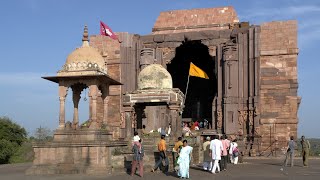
150, 145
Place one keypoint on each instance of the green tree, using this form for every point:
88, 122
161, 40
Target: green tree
12, 136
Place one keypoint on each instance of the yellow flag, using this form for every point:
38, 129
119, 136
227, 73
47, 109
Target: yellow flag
195, 71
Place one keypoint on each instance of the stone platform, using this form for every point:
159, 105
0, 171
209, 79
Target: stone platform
75, 152
251, 169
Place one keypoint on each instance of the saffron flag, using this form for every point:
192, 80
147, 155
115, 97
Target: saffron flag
197, 72
106, 31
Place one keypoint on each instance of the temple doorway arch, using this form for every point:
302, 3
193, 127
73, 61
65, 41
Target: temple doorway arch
201, 92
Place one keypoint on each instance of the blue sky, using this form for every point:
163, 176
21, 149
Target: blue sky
37, 36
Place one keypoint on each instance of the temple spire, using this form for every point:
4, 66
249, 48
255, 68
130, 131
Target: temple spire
85, 38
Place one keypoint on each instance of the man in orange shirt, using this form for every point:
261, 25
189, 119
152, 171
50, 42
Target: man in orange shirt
162, 156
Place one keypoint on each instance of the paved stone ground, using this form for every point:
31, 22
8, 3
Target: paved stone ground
252, 169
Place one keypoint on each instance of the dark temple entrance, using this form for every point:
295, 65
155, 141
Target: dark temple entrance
201, 92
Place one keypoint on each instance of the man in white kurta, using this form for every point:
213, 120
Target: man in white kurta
215, 151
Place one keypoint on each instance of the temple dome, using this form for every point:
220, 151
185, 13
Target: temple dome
86, 54
84, 58
154, 76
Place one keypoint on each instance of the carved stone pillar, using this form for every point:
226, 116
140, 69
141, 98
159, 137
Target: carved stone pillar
251, 129
133, 121
130, 121
62, 99
219, 120
175, 122
93, 94
229, 64
76, 98
230, 88
62, 113
105, 103
105, 109
127, 121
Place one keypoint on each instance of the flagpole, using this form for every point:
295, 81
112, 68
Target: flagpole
185, 96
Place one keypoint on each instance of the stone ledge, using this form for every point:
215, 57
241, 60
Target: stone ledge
279, 52
278, 121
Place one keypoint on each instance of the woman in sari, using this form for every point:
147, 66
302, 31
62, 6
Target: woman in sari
184, 160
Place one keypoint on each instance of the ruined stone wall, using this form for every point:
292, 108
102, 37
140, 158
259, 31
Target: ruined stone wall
279, 84
110, 50
195, 19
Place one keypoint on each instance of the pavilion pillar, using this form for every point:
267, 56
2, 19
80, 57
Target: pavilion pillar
62, 99
105, 103
105, 109
93, 94
76, 98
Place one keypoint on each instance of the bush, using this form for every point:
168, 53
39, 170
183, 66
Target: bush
24, 153
7, 149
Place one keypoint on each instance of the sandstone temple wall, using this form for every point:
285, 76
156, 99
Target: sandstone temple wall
279, 99
110, 50
199, 19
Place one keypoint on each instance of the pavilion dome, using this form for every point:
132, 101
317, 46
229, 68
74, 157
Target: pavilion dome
154, 76
84, 58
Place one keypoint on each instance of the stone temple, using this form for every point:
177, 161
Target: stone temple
251, 93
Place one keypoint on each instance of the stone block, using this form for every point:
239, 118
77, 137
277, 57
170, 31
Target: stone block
147, 39
213, 34
169, 44
225, 34
158, 38
194, 36
179, 37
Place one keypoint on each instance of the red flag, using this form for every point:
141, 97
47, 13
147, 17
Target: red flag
106, 31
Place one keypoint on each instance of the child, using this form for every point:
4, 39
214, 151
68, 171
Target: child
136, 140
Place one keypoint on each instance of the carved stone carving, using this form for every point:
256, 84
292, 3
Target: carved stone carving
219, 119
213, 51
230, 50
147, 57
257, 131
251, 114
122, 120
168, 54
82, 66
242, 117
134, 119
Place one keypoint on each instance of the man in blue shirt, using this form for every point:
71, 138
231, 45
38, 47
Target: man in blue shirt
290, 151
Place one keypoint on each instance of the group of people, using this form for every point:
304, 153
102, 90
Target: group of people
182, 154
193, 126
305, 148
217, 153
